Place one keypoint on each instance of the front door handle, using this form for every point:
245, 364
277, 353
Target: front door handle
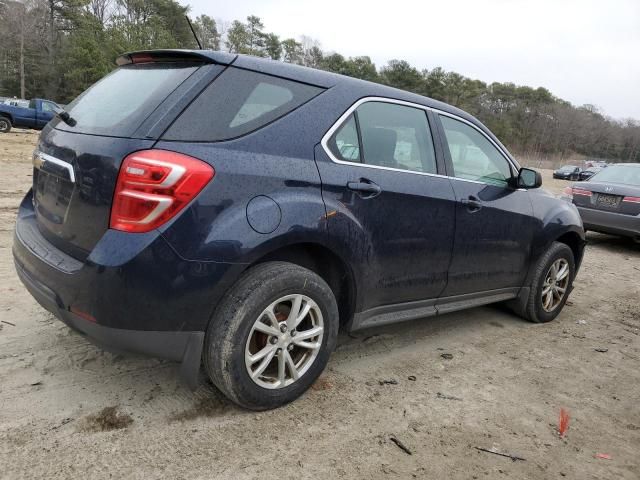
472, 203
365, 188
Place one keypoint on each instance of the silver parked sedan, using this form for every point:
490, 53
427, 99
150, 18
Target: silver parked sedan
609, 202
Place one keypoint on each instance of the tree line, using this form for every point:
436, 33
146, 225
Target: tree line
57, 48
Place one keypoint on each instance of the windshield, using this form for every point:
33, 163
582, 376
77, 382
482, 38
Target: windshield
626, 174
567, 168
121, 101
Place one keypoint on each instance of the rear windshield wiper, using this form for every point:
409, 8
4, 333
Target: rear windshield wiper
63, 115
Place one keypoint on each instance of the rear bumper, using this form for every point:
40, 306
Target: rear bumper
132, 294
610, 222
184, 347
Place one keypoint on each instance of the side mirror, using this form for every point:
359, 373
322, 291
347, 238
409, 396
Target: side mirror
529, 178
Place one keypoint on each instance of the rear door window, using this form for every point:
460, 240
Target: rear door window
236, 103
121, 101
391, 135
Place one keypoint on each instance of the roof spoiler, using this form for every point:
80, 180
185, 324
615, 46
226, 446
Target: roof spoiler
150, 56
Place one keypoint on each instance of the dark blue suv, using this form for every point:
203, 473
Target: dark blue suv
233, 211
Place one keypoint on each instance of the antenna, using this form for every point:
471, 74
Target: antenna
194, 32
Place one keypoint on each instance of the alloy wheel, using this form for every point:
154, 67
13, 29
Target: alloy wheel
284, 341
556, 283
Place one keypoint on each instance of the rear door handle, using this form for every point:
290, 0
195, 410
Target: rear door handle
366, 188
472, 203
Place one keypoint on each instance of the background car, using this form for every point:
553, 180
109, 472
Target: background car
609, 202
588, 173
567, 172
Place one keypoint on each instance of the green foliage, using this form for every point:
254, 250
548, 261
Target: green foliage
292, 51
237, 38
272, 46
207, 31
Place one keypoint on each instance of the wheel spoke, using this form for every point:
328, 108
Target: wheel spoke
261, 354
304, 344
546, 290
547, 300
264, 328
553, 273
272, 317
303, 313
306, 334
281, 367
292, 320
564, 271
292, 366
265, 363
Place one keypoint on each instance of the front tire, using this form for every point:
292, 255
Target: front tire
551, 284
271, 336
5, 125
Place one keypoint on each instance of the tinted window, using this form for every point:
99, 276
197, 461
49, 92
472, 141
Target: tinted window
473, 156
118, 103
344, 144
236, 103
392, 136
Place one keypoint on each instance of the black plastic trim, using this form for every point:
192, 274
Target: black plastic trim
184, 347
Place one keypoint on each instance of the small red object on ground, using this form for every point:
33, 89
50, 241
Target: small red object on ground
603, 456
563, 422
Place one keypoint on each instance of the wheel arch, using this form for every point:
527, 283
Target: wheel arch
575, 243
324, 262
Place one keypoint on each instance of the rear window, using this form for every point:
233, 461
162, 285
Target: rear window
625, 174
121, 101
236, 103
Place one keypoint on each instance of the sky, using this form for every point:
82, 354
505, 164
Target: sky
583, 51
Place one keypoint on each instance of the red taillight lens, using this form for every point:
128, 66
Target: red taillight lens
581, 191
141, 58
631, 199
153, 186
568, 191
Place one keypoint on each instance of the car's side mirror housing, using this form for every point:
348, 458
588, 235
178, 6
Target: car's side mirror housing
529, 178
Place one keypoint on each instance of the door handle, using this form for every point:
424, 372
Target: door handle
472, 203
366, 187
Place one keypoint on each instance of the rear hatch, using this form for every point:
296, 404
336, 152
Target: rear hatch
76, 166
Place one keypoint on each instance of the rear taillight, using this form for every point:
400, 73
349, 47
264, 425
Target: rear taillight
582, 191
153, 186
571, 191
141, 58
631, 199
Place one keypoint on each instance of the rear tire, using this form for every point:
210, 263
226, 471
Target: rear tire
548, 294
5, 125
253, 318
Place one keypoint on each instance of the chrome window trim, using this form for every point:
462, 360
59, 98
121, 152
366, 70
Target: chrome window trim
39, 158
338, 123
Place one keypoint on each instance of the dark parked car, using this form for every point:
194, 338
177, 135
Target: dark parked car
35, 116
257, 207
567, 172
610, 201
588, 173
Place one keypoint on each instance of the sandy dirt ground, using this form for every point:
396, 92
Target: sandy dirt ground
443, 387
